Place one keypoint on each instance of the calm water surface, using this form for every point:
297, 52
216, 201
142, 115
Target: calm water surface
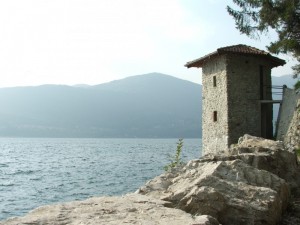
35, 172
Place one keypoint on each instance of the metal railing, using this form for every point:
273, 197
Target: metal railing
275, 90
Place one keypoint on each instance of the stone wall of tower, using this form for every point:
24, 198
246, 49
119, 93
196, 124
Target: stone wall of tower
231, 100
214, 99
244, 92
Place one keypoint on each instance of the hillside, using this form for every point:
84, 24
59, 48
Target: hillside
146, 106
152, 105
286, 79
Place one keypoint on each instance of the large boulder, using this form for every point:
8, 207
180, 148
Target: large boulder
263, 154
228, 187
268, 155
129, 209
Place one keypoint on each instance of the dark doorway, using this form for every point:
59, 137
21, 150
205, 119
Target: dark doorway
266, 120
266, 110
263, 120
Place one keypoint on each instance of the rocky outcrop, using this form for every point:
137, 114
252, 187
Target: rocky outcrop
292, 137
286, 112
244, 185
269, 155
248, 184
129, 209
289, 120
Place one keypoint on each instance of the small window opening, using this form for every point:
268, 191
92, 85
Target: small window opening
215, 81
215, 116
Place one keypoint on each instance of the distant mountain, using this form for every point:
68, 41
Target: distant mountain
150, 106
146, 106
82, 85
288, 80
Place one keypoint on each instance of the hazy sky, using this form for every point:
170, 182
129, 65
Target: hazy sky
95, 41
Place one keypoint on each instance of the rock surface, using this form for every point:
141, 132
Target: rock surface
292, 137
129, 209
235, 187
268, 155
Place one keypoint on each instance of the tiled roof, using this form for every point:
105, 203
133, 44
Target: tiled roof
236, 49
242, 49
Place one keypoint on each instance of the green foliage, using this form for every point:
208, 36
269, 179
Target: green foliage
254, 17
176, 159
297, 85
298, 153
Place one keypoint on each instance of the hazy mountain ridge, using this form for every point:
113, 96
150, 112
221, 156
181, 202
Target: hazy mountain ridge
151, 106
286, 79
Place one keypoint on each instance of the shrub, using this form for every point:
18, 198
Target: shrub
176, 159
297, 85
298, 153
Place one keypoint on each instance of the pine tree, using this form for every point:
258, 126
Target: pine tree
255, 17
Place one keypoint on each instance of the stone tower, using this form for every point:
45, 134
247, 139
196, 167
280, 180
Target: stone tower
237, 96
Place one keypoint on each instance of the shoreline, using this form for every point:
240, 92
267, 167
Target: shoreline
214, 186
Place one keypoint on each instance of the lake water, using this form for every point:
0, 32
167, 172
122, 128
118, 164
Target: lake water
36, 172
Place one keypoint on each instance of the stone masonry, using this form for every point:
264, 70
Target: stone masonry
215, 134
237, 96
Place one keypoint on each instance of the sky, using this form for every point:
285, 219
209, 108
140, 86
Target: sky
96, 41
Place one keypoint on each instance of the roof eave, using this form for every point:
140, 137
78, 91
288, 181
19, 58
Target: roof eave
278, 62
200, 61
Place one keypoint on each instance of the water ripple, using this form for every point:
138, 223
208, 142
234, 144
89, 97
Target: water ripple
4, 165
37, 172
